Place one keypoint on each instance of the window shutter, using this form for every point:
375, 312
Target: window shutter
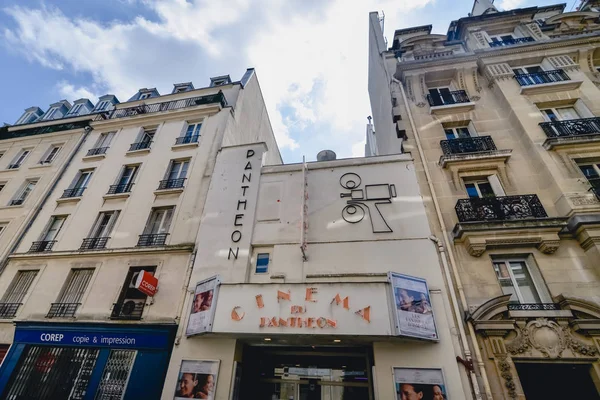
496, 185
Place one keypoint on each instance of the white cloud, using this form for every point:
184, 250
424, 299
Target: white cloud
70, 92
509, 4
310, 56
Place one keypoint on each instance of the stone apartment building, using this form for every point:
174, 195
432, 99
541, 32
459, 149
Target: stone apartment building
501, 117
92, 292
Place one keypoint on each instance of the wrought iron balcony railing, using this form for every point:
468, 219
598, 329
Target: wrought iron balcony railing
171, 184
128, 310
140, 145
62, 310
533, 306
13, 166
94, 243
502, 208
571, 127
537, 78
97, 151
123, 188
476, 144
165, 106
594, 186
154, 239
512, 41
9, 310
41, 246
16, 202
187, 139
73, 192
456, 97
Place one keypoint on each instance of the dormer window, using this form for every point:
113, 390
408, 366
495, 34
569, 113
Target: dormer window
26, 118
180, 89
220, 82
50, 113
75, 110
103, 105
144, 96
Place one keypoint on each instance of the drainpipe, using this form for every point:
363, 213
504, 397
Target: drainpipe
38, 208
455, 274
184, 295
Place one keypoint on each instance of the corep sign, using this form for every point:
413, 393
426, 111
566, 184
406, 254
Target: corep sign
146, 283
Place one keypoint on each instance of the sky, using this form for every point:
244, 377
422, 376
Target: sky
310, 56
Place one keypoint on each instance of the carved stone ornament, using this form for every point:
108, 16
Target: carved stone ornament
421, 104
583, 200
578, 347
506, 374
475, 98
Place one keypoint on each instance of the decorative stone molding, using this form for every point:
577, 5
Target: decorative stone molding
496, 72
421, 104
549, 246
423, 86
579, 200
475, 76
507, 374
475, 98
563, 62
480, 39
461, 81
535, 31
409, 88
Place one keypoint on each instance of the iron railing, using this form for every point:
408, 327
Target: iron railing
13, 166
5, 134
154, 239
16, 202
571, 127
447, 98
165, 106
94, 243
512, 41
97, 151
62, 310
123, 188
476, 144
594, 186
73, 192
9, 310
501, 208
171, 184
140, 145
536, 78
187, 139
41, 246
533, 306
128, 310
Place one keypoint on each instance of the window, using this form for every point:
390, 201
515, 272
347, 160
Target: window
532, 69
440, 96
591, 171
102, 144
26, 118
2, 185
479, 188
23, 193
19, 159
101, 230
14, 295
262, 263
125, 181
75, 110
157, 227
53, 228
50, 113
531, 75
457, 133
3, 226
176, 175
79, 184
515, 279
504, 37
50, 155
131, 302
144, 139
192, 133
144, 96
560, 114
103, 105
69, 299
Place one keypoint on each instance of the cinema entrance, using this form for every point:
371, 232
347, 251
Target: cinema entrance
306, 373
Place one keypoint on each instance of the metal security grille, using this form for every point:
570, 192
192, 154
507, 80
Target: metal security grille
49, 373
116, 375
75, 286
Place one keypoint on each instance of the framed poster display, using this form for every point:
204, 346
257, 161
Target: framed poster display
197, 379
419, 383
412, 310
202, 313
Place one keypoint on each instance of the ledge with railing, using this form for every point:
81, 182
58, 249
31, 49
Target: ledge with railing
128, 310
511, 42
187, 139
41, 246
73, 192
122, 188
9, 310
153, 239
62, 310
455, 97
96, 151
13, 166
140, 145
537, 78
165, 106
94, 243
477, 144
533, 307
571, 127
503, 208
171, 184
16, 202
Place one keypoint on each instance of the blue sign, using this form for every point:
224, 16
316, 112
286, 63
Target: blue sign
59, 337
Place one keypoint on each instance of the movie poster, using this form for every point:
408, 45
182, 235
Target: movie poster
197, 379
203, 306
420, 383
412, 307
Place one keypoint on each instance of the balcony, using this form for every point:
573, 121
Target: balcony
128, 310
97, 152
73, 192
471, 148
62, 310
500, 208
41, 246
572, 131
9, 310
142, 109
546, 82
183, 140
140, 146
450, 103
168, 184
119, 189
154, 239
511, 42
94, 243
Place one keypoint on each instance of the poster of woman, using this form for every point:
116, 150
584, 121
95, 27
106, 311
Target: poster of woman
419, 384
197, 379
413, 310
203, 307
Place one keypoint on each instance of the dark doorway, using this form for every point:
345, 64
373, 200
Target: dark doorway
542, 381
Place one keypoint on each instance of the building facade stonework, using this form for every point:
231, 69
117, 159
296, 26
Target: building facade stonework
500, 115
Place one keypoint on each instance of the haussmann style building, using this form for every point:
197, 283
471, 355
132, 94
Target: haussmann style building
501, 115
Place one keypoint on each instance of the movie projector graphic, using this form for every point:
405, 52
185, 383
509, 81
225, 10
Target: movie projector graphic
366, 200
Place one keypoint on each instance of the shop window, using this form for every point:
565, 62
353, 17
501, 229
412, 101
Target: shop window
116, 374
516, 277
13, 297
131, 302
262, 263
70, 298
